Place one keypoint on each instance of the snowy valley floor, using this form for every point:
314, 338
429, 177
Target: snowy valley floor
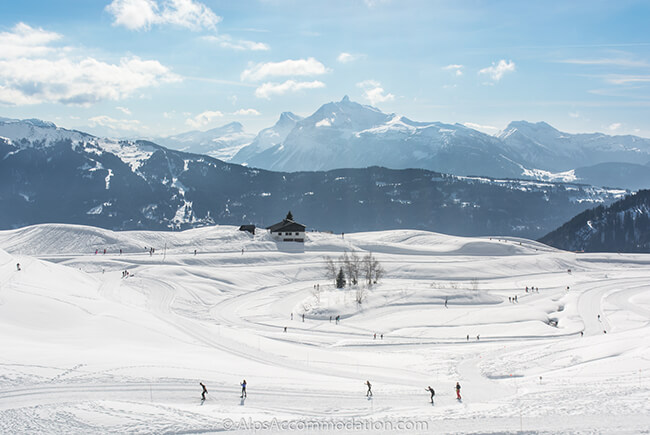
86, 350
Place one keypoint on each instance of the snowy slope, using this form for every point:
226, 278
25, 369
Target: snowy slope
88, 350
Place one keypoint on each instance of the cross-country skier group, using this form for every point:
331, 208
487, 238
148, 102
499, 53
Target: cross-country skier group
367, 384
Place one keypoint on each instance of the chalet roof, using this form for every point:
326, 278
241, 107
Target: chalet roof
287, 225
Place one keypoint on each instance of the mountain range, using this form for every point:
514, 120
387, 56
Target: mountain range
346, 134
50, 174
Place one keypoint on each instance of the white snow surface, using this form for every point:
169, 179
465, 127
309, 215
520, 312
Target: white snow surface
86, 350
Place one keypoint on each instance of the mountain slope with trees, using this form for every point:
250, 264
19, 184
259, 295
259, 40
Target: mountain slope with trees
623, 226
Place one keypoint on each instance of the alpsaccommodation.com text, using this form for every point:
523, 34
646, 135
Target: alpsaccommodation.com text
325, 425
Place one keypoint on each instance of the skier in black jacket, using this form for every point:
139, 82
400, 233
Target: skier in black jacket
433, 393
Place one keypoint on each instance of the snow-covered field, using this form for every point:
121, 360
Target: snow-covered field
86, 350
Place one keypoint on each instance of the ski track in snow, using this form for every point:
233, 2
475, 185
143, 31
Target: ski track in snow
88, 351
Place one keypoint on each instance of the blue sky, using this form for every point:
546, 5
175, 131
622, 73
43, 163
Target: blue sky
159, 67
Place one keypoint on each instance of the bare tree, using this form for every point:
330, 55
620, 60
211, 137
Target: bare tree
316, 293
331, 271
352, 264
371, 268
360, 295
379, 272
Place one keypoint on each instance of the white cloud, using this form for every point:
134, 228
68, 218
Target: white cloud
203, 119
233, 99
226, 41
484, 128
25, 41
34, 81
369, 84
626, 63
134, 14
373, 3
267, 89
247, 112
496, 71
456, 69
299, 67
622, 79
348, 57
45, 73
615, 126
374, 93
142, 14
574, 114
124, 110
116, 124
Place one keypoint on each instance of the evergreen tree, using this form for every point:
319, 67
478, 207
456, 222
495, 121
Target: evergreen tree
340, 279
289, 216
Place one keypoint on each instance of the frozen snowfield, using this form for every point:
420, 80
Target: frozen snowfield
86, 350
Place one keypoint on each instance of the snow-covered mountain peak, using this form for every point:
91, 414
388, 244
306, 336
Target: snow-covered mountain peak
346, 114
530, 129
37, 132
288, 118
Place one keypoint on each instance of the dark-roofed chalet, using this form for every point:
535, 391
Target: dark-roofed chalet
288, 231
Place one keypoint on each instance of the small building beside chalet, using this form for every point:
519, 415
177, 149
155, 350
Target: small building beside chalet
249, 228
288, 231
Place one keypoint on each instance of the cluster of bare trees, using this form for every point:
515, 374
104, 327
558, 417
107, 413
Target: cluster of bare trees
349, 268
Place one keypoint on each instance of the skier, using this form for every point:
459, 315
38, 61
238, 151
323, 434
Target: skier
445, 302
285, 329
303, 317
204, 392
581, 333
243, 389
467, 337
291, 316
382, 336
458, 391
17, 266
375, 336
433, 393
599, 317
369, 393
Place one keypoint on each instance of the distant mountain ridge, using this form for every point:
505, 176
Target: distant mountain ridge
623, 226
221, 142
58, 175
346, 134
